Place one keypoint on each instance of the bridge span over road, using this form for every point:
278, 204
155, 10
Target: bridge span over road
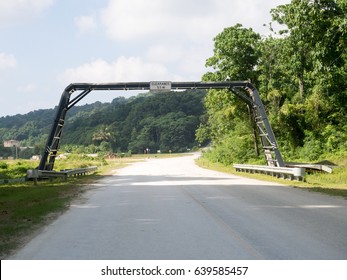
172, 209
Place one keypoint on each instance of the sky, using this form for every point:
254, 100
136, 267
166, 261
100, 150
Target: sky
47, 44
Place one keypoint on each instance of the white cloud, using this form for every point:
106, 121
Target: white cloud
122, 70
165, 53
129, 19
27, 88
181, 19
85, 23
188, 60
179, 33
14, 11
7, 61
138, 19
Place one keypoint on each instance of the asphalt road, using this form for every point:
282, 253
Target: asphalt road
172, 209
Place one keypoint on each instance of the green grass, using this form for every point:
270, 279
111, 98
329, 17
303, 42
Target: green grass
12, 169
337, 179
330, 184
24, 207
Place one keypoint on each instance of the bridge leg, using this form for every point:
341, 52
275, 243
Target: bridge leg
53, 141
272, 153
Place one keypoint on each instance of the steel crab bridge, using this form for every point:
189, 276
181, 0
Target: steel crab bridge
243, 89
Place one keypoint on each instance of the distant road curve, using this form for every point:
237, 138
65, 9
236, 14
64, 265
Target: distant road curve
172, 209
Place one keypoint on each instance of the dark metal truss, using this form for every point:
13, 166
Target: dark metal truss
244, 90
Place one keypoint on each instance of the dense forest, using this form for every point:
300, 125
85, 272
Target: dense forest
301, 73
160, 122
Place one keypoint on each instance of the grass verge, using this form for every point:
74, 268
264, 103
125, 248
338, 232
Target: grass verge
331, 184
26, 207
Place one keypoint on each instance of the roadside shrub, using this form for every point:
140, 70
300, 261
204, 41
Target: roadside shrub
233, 148
3, 165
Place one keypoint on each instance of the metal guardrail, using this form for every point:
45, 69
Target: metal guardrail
311, 167
35, 174
295, 173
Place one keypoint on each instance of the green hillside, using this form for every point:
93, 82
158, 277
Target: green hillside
164, 121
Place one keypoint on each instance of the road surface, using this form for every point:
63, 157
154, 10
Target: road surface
172, 209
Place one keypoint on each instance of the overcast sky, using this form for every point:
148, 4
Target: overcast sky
47, 44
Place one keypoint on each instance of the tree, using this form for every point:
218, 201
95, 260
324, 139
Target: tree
301, 74
315, 39
236, 56
314, 53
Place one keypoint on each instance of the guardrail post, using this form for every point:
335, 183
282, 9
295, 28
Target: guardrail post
299, 173
33, 174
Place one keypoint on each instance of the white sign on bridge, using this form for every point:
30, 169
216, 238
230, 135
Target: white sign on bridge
160, 86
